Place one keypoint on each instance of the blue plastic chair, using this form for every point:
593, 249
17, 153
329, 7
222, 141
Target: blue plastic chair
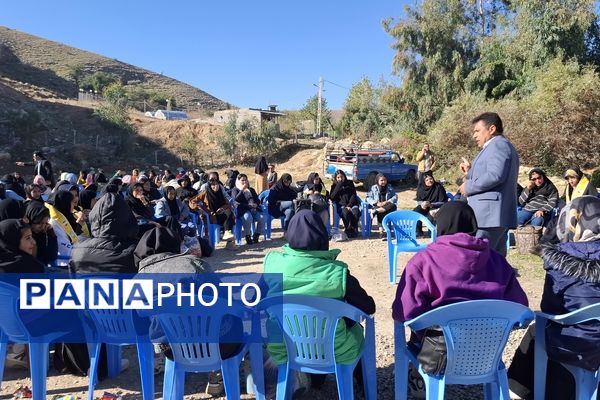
190, 337
264, 201
113, 327
237, 230
404, 225
449, 196
476, 333
214, 230
14, 330
365, 218
586, 381
308, 324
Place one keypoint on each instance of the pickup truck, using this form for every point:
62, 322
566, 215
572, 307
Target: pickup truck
364, 165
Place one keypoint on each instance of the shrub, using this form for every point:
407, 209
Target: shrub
595, 180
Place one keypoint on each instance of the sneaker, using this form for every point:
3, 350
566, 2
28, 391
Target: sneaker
249, 239
255, 237
14, 360
416, 384
227, 235
215, 386
383, 235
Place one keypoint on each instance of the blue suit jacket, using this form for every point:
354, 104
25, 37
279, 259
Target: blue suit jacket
491, 184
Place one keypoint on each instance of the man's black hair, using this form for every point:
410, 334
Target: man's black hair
489, 119
38, 153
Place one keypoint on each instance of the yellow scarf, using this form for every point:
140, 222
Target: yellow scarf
578, 191
63, 222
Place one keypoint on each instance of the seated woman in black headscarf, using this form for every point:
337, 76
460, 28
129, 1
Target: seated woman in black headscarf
345, 199
38, 217
281, 199
319, 196
537, 200
213, 201
18, 248
431, 195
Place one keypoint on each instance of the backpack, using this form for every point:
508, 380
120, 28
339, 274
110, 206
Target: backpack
75, 359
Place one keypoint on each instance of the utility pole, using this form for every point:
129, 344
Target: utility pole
319, 110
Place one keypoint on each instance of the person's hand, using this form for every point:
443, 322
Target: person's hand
219, 211
426, 205
539, 214
349, 208
465, 166
86, 213
47, 229
79, 217
463, 189
530, 185
20, 163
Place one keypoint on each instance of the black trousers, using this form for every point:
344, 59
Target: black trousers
349, 217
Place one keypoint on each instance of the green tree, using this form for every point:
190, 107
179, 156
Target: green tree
309, 111
114, 107
98, 81
229, 143
76, 74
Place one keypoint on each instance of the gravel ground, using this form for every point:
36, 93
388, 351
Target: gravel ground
368, 262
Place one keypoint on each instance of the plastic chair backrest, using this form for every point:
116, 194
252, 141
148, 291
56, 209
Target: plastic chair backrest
12, 326
193, 336
112, 325
404, 225
308, 324
449, 196
475, 332
264, 198
588, 313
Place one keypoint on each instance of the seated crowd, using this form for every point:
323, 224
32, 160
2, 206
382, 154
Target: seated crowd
136, 223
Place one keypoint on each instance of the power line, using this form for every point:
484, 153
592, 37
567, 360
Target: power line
336, 84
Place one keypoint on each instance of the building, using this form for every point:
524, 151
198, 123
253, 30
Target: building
170, 115
249, 114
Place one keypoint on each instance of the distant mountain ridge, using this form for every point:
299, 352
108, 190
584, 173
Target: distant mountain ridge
46, 64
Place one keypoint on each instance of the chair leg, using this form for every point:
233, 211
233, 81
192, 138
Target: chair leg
3, 351
434, 387
231, 377
169, 379
343, 377
38, 360
145, 353
285, 383
257, 368
179, 384
93, 374
541, 361
586, 383
502, 387
113, 357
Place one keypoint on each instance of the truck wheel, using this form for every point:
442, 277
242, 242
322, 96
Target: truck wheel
411, 177
370, 180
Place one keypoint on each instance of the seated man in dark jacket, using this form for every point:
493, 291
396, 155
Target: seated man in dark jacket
114, 230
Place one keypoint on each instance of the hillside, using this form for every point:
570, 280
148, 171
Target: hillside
46, 64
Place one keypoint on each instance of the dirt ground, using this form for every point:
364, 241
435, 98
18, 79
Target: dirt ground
367, 260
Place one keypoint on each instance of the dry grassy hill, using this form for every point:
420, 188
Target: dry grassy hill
46, 64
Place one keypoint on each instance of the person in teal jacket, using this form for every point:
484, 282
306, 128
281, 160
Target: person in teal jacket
310, 268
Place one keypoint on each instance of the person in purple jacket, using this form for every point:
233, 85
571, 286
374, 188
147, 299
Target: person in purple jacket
476, 272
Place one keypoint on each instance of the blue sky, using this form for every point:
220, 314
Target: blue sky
248, 53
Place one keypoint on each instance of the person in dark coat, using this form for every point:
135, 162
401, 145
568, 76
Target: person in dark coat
17, 247
572, 282
38, 217
10, 209
43, 167
185, 189
139, 204
261, 169
248, 208
11, 184
231, 175
281, 199
114, 231
345, 199
431, 195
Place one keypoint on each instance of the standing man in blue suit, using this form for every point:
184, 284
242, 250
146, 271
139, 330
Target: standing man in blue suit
491, 181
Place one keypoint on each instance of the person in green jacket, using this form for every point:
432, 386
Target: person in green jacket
310, 268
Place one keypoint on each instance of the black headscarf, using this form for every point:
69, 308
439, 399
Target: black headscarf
216, 199
10, 182
306, 231
136, 205
261, 166
12, 259
284, 193
62, 186
310, 182
173, 207
547, 187
454, 217
101, 178
112, 218
36, 212
578, 220
61, 201
344, 192
9, 209
434, 193
232, 175
187, 191
155, 241
85, 199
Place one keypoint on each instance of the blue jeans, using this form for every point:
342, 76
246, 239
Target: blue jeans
495, 236
249, 218
287, 208
524, 217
